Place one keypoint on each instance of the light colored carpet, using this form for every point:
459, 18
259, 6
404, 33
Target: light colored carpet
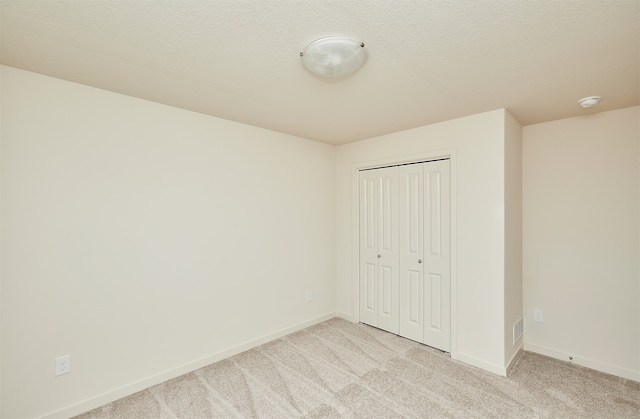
338, 369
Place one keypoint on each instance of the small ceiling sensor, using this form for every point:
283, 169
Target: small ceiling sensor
589, 102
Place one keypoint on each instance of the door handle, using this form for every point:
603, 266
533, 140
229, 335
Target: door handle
419, 260
379, 256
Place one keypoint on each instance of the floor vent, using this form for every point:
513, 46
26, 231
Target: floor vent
518, 329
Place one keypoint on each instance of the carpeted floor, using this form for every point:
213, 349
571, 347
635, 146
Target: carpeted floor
342, 370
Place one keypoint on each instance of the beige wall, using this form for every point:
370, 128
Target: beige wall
143, 239
146, 241
476, 145
513, 235
581, 240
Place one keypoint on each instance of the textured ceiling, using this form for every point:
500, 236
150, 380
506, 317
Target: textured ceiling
428, 61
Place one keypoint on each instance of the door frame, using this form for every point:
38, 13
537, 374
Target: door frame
450, 154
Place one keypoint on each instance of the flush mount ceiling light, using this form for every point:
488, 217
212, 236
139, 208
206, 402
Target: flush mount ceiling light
589, 102
334, 56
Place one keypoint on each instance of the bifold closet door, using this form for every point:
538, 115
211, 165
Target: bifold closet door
405, 251
379, 253
425, 280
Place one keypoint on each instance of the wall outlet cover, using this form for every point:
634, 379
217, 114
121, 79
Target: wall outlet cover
63, 365
537, 315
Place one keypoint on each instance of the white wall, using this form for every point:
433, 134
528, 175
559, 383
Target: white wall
513, 235
146, 241
476, 145
162, 240
581, 240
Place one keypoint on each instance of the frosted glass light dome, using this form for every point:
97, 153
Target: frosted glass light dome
334, 56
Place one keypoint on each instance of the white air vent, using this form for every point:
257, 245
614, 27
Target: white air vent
518, 329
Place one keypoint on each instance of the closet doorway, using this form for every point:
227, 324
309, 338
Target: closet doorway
405, 250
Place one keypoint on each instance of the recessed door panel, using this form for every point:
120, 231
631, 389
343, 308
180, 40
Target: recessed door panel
434, 218
414, 213
434, 295
387, 223
414, 299
370, 279
369, 213
387, 291
388, 298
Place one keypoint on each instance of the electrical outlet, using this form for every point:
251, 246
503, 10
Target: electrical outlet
309, 296
63, 365
537, 315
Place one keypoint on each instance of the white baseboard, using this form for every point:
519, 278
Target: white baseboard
495, 369
345, 316
520, 348
514, 359
585, 362
140, 385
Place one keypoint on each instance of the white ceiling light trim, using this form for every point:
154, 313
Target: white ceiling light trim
334, 56
589, 102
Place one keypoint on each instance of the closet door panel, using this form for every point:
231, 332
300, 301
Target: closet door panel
368, 281
411, 191
388, 269
437, 232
